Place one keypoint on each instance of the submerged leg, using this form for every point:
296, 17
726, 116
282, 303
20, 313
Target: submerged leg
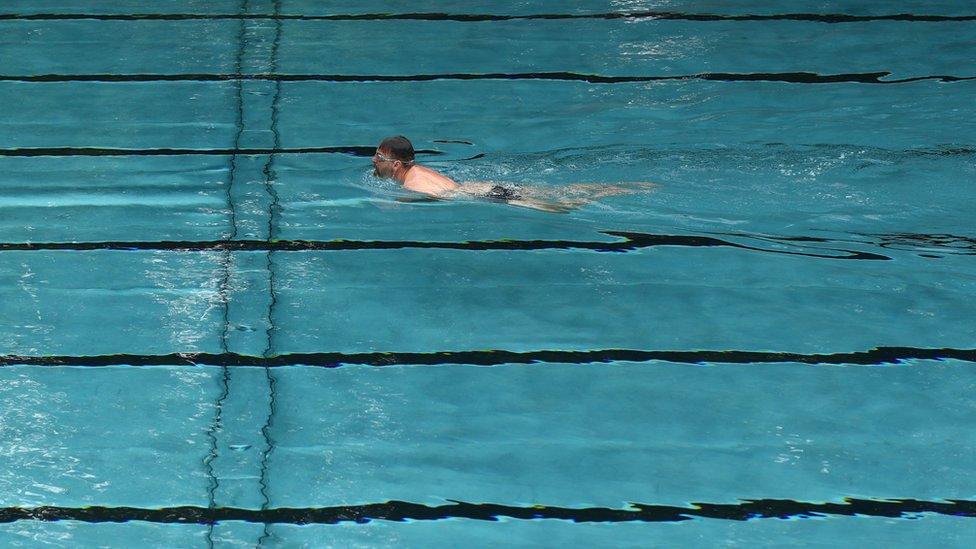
594, 191
555, 199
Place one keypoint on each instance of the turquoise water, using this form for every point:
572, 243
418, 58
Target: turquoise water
219, 330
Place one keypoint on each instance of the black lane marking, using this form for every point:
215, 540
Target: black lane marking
270, 180
948, 151
473, 18
400, 511
238, 120
629, 242
939, 150
949, 244
216, 427
226, 262
364, 151
269, 447
787, 77
945, 243
274, 207
360, 150
878, 356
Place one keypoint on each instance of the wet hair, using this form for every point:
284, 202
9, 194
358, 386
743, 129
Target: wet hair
399, 148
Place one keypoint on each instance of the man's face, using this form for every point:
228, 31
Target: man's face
383, 165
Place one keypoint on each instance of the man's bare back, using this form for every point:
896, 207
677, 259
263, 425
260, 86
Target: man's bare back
424, 180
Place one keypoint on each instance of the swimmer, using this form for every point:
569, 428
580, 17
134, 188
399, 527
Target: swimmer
394, 159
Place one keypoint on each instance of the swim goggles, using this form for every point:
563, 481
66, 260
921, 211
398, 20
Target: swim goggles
385, 158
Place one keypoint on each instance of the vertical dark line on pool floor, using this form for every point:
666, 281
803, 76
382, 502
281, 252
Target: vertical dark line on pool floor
226, 262
270, 180
215, 427
239, 88
227, 258
268, 448
232, 174
223, 295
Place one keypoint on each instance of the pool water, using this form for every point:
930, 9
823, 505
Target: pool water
219, 330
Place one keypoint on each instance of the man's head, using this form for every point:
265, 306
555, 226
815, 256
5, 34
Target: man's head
393, 157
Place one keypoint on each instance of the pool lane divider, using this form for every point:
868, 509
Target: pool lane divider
485, 17
630, 241
401, 511
786, 77
879, 356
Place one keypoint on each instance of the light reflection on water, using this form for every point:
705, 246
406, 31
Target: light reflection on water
190, 299
34, 443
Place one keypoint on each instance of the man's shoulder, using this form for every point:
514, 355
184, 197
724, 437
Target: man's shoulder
426, 180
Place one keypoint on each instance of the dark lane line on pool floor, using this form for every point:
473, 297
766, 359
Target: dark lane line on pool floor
274, 212
401, 511
879, 356
485, 17
364, 151
630, 242
784, 77
224, 286
923, 244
